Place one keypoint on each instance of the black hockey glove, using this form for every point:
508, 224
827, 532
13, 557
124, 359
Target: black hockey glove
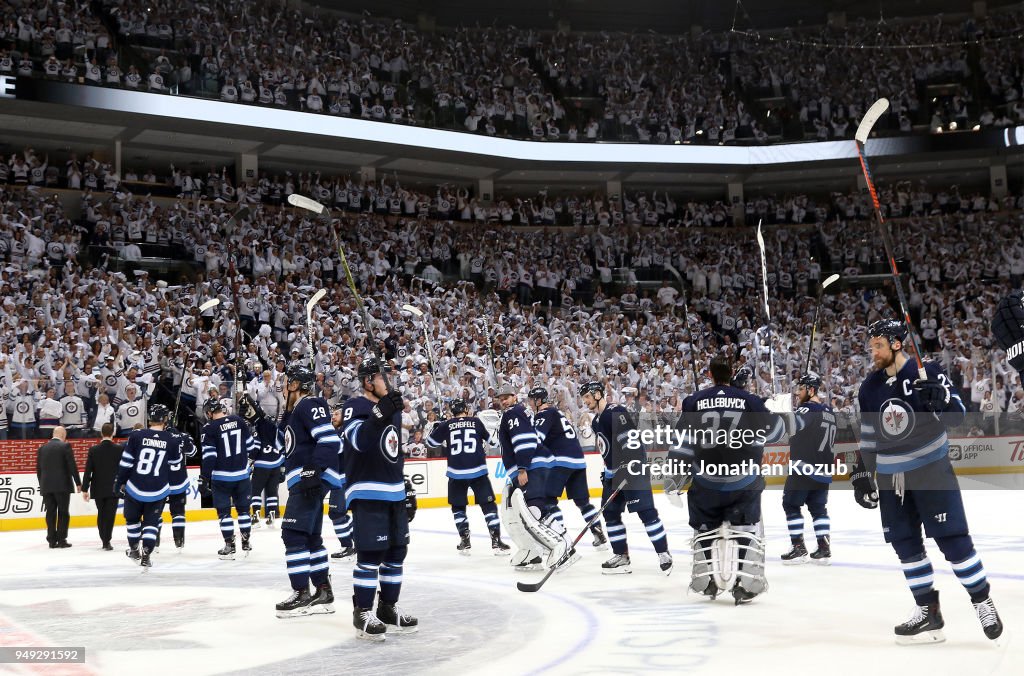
1008, 328
865, 491
309, 482
205, 486
411, 504
389, 404
934, 394
119, 490
249, 410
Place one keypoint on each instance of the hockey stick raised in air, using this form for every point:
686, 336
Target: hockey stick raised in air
767, 311
430, 351
212, 303
312, 205
535, 586
490, 352
831, 279
310, 304
863, 131
686, 319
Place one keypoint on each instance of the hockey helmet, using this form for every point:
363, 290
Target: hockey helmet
458, 406
213, 405
158, 413
369, 367
741, 378
891, 329
592, 387
810, 379
538, 393
301, 374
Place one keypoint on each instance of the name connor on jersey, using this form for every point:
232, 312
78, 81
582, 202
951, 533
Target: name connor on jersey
155, 443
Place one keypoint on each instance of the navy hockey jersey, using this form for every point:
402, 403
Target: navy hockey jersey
896, 427
374, 462
310, 440
179, 476
148, 459
724, 431
810, 446
612, 429
462, 439
271, 443
227, 447
518, 441
556, 434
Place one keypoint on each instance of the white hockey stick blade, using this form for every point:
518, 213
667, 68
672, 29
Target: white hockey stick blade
303, 202
868, 121
760, 238
832, 279
311, 303
413, 309
213, 302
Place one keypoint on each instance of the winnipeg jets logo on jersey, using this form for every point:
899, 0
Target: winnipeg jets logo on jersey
289, 441
22, 407
110, 380
603, 445
389, 444
72, 407
133, 410
897, 419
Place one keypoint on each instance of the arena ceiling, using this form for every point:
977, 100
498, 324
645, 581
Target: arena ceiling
663, 16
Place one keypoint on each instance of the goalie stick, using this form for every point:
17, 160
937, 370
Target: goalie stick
308, 204
814, 325
530, 587
863, 131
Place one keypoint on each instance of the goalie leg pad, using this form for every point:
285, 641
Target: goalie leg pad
514, 527
544, 538
702, 573
747, 543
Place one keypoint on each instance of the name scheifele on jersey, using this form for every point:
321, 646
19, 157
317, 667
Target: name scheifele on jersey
462, 439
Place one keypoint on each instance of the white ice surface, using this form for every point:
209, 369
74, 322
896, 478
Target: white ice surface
193, 614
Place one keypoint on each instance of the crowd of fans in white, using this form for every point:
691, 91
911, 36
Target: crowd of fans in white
81, 345
527, 84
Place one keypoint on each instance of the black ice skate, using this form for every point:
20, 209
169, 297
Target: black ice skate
133, 554
795, 556
246, 547
617, 565
823, 554
144, 560
533, 564
295, 605
989, 618
924, 626
497, 546
322, 601
227, 552
254, 521
345, 554
395, 621
600, 541
179, 542
741, 595
270, 520
367, 625
464, 544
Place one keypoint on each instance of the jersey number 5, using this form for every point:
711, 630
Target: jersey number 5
462, 441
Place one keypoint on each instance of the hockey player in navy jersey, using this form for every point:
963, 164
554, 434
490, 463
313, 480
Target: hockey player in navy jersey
612, 424
568, 471
811, 457
526, 466
462, 439
228, 446
726, 428
903, 438
338, 508
267, 463
311, 470
376, 494
144, 479
179, 492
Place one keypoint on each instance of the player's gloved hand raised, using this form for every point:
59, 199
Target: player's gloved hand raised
411, 504
388, 405
1008, 327
249, 410
934, 394
865, 491
205, 487
309, 482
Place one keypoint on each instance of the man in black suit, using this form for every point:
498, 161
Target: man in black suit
58, 478
98, 482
